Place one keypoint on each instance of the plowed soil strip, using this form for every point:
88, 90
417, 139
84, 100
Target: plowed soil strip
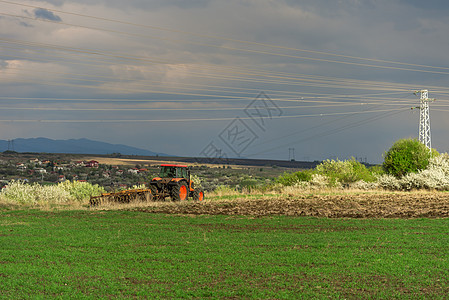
388, 205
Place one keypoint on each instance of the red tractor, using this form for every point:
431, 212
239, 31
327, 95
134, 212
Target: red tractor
174, 181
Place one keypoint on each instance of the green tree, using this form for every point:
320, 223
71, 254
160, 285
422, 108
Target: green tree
407, 156
345, 172
293, 178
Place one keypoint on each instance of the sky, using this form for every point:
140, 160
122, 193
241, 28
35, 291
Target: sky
309, 80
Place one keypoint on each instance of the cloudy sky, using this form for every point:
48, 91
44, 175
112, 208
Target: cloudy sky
249, 78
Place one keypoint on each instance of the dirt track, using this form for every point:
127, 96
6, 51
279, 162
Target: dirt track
382, 205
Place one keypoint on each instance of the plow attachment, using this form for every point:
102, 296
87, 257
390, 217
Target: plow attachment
128, 196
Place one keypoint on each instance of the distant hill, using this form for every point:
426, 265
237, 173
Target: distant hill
74, 146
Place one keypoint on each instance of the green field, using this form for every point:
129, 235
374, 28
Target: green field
108, 254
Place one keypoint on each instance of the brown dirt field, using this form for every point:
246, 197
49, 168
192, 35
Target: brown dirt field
124, 161
377, 205
130, 162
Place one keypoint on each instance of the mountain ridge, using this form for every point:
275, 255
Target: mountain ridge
71, 146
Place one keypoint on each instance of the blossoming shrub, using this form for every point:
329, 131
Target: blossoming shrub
81, 191
388, 182
290, 179
18, 192
363, 185
224, 190
50, 194
434, 177
344, 172
321, 181
440, 162
197, 181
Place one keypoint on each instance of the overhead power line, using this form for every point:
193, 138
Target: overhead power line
323, 84
181, 86
314, 100
368, 85
232, 40
235, 70
98, 53
185, 119
243, 50
232, 70
332, 131
399, 101
216, 88
221, 108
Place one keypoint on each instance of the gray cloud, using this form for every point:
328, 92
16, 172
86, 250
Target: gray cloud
41, 13
139, 4
404, 31
25, 24
434, 5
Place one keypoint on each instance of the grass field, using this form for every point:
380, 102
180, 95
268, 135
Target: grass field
104, 254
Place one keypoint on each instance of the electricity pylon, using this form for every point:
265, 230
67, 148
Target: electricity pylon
424, 118
291, 154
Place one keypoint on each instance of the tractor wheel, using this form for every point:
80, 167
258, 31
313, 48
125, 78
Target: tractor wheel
154, 194
179, 192
198, 195
153, 189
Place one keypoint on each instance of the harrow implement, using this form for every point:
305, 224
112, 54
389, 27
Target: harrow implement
128, 196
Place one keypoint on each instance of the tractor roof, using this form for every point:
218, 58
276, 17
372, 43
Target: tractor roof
171, 165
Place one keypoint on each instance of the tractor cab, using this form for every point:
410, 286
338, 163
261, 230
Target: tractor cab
174, 171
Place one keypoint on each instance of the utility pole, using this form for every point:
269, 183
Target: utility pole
291, 154
10, 145
424, 118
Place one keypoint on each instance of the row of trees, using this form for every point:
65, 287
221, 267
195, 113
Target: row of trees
407, 165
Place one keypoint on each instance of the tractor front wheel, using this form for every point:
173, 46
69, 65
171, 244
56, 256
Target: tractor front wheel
179, 192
